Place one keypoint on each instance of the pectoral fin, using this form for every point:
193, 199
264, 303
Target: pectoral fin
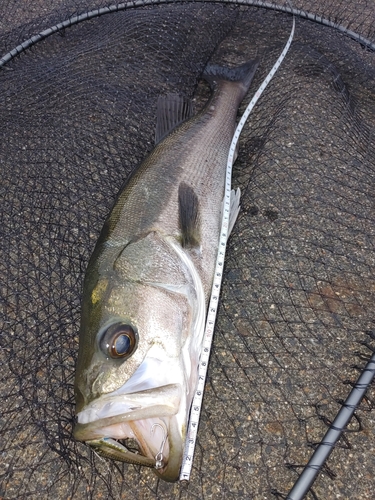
188, 206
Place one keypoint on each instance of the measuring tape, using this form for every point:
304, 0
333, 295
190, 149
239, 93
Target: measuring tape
191, 437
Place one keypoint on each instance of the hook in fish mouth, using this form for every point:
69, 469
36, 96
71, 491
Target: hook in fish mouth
112, 448
159, 457
145, 428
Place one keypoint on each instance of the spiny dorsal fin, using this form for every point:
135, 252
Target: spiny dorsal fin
188, 206
172, 110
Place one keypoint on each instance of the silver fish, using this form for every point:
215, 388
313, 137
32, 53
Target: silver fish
148, 282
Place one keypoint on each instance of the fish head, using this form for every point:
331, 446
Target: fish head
141, 328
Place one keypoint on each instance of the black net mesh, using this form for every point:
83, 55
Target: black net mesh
296, 316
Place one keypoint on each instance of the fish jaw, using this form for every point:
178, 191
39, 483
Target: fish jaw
155, 419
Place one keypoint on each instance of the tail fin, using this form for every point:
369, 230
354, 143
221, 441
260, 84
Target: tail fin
243, 74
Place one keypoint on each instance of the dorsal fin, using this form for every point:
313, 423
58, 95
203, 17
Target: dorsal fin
188, 207
172, 110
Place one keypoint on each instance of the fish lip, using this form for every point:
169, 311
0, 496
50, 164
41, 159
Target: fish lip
164, 407
111, 448
167, 469
162, 401
91, 430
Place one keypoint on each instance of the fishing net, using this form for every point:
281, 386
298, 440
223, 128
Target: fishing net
295, 324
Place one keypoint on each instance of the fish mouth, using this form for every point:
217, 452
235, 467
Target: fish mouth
145, 428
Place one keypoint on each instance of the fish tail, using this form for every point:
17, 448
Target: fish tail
242, 75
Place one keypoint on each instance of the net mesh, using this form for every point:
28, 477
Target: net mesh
295, 325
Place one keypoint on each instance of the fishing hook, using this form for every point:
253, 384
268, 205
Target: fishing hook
159, 456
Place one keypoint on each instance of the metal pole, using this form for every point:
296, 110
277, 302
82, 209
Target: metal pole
316, 462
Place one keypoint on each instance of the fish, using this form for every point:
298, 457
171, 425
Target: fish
148, 283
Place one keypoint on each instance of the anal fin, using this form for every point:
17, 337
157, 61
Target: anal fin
234, 209
188, 207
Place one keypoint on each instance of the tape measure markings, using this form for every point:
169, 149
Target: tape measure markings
214, 299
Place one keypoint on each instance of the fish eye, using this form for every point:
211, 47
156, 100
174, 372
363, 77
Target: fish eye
119, 341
